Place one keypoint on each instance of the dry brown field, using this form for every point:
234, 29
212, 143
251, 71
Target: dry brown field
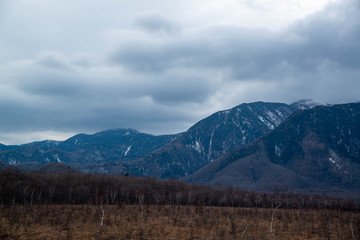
47, 222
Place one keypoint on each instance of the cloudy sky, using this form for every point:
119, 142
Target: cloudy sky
160, 66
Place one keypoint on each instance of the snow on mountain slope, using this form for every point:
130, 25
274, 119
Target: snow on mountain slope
212, 137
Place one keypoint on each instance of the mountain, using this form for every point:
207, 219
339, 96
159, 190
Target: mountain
315, 150
7, 147
44, 145
2, 147
86, 152
121, 151
212, 137
112, 145
55, 168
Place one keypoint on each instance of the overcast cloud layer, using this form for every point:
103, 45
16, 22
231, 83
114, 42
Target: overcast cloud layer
160, 66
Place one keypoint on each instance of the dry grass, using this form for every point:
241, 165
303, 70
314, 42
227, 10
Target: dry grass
172, 222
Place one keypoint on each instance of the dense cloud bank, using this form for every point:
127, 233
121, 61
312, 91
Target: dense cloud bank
111, 65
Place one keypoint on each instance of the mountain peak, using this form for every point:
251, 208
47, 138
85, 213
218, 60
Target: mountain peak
307, 103
118, 131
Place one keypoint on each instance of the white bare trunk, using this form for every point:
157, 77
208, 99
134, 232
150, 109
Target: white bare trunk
272, 221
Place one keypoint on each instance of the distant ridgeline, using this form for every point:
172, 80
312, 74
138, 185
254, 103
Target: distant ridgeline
304, 147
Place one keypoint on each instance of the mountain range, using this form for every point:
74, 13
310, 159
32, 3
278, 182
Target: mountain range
212, 137
315, 150
88, 153
304, 146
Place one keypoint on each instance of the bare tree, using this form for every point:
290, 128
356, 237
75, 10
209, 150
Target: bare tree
272, 221
102, 218
352, 230
178, 198
113, 195
25, 191
141, 197
245, 230
157, 198
191, 198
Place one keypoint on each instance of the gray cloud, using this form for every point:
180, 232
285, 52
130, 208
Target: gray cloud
60, 85
155, 22
53, 99
53, 60
161, 76
316, 54
330, 36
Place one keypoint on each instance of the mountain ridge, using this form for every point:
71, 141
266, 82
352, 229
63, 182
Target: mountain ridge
305, 153
211, 137
121, 151
85, 151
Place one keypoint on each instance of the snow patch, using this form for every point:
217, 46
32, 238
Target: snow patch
243, 139
277, 151
246, 122
273, 118
333, 155
125, 134
334, 159
269, 125
347, 148
57, 158
127, 150
279, 113
235, 123
13, 162
226, 116
197, 146
210, 145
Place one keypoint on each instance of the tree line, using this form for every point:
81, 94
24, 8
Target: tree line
79, 188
